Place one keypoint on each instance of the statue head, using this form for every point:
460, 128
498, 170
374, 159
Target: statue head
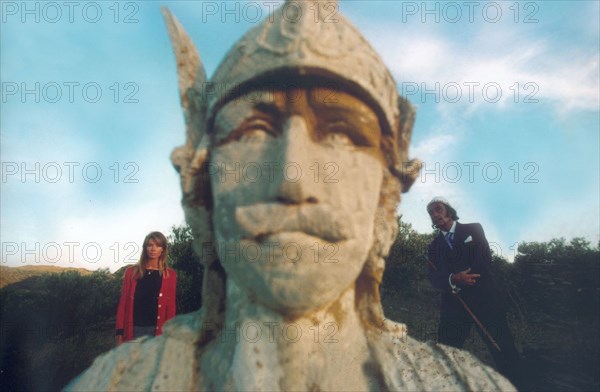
295, 157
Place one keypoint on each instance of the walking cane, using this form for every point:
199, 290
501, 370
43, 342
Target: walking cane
485, 331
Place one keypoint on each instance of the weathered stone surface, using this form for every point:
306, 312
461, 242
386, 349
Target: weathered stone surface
387, 360
293, 265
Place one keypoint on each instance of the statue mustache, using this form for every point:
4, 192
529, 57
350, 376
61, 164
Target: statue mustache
259, 220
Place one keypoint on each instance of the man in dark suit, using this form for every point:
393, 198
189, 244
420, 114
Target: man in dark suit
459, 266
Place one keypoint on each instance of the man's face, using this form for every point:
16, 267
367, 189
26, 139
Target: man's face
440, 216
296, 177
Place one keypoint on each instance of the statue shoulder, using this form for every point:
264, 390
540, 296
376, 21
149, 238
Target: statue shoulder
162, 363
408, 364
465, 370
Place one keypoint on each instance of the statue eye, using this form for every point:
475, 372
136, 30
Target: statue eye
253, 136
255, 130
342, 133
338, 138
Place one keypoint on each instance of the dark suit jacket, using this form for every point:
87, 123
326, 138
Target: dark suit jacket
470, 250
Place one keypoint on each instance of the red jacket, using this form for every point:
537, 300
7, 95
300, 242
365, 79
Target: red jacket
166, 302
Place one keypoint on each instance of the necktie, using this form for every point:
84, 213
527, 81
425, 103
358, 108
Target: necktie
449, 237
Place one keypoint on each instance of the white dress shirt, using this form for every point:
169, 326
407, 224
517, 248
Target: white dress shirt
455, 288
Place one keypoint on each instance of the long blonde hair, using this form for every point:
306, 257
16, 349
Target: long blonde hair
161, 240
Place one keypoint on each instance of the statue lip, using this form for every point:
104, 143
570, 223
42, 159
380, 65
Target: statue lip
259, 221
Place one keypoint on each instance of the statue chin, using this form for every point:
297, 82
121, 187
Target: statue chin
285, 298
293, 273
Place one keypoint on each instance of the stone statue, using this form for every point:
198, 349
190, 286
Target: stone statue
294, 161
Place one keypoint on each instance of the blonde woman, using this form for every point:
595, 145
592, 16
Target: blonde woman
148, 296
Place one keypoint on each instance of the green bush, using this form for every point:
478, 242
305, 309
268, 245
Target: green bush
47, 320
54, 325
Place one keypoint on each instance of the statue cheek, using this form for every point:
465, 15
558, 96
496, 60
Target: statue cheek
238, 172
357, 184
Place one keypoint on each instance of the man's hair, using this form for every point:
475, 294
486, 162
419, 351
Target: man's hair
452, 212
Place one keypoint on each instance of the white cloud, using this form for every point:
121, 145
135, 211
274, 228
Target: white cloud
73, 225
566, 77
429, 184
118, 232
80, 211
433, 147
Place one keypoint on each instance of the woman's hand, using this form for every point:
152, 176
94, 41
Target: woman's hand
119, 340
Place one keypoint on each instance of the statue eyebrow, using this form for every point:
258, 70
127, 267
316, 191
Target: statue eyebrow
339, 105
269, 108
347, 113
262, 108
266, 106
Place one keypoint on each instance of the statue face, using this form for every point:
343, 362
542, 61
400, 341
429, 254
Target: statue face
296, 176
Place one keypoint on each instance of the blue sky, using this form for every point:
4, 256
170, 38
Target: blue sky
507, 98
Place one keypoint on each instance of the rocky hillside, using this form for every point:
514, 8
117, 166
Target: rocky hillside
10, 275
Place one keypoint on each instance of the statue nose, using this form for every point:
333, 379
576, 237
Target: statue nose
297, 147
295, 140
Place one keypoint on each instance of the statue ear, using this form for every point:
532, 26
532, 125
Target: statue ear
189, 158
407, 170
